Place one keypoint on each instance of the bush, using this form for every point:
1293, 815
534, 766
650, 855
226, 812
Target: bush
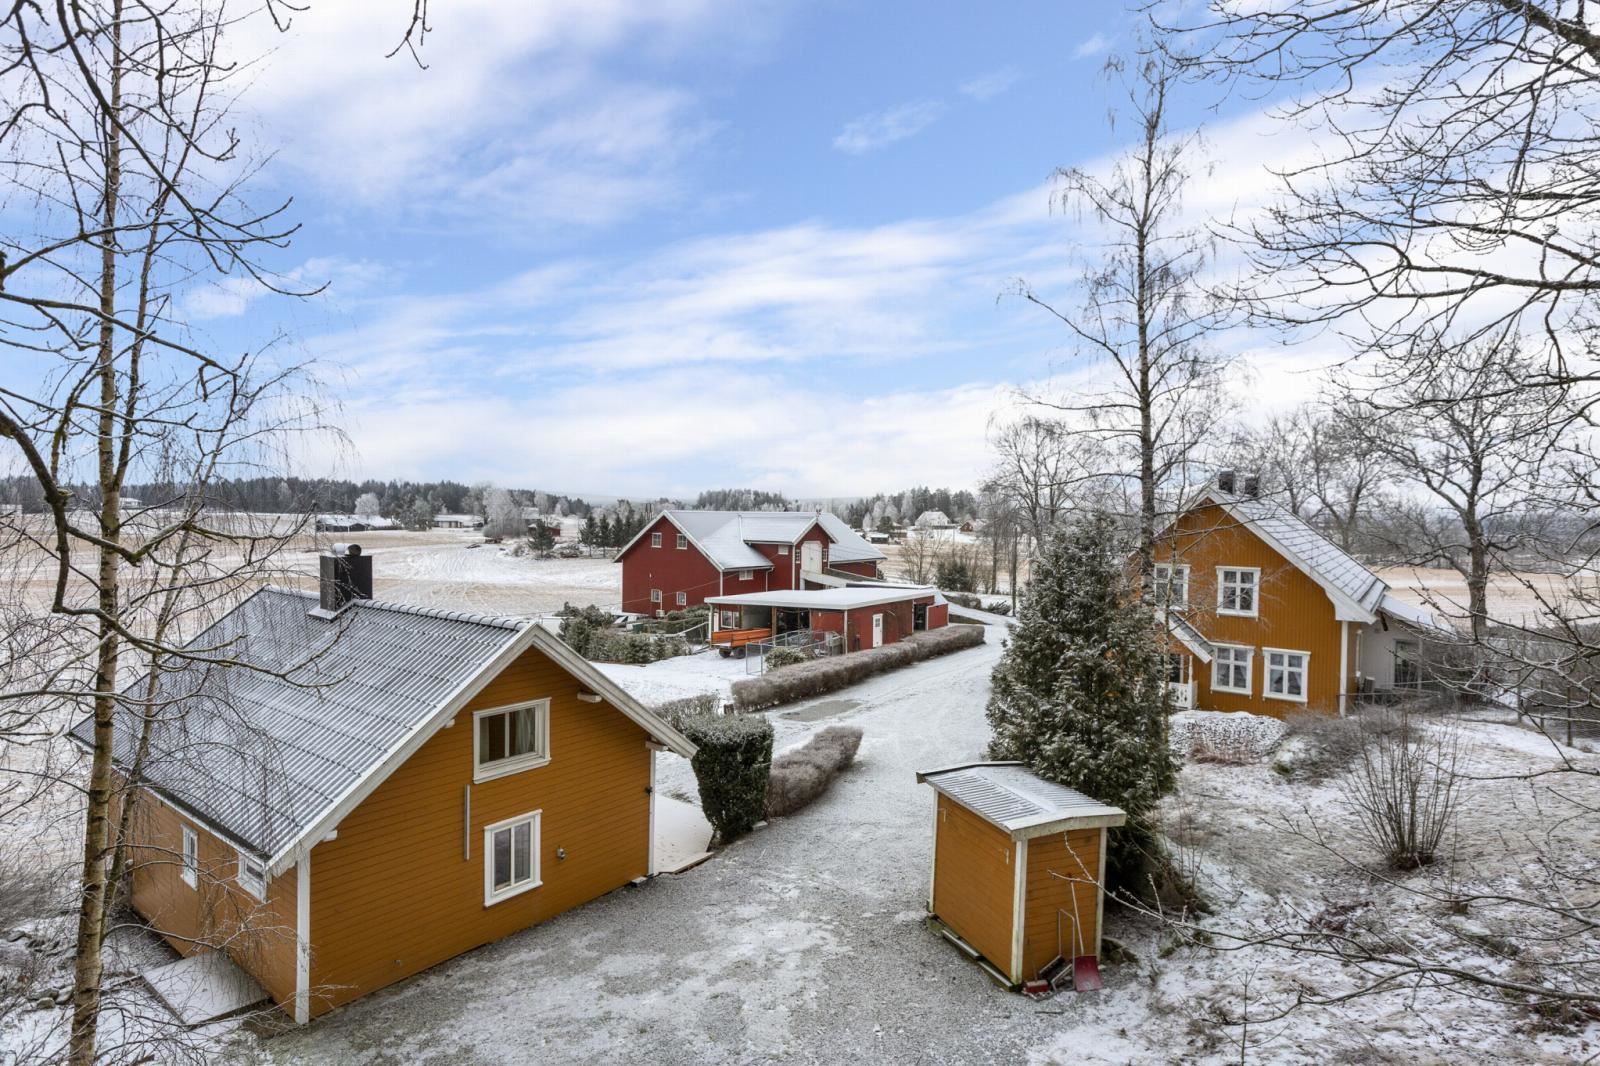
800, 776
732, 763
675, 712
1404, 788
1222, 736
780, 657
828, 675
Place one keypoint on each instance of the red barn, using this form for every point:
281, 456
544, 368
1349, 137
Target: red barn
683, 557
864, 616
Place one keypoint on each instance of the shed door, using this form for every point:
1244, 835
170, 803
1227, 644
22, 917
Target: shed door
811, 557
877, 631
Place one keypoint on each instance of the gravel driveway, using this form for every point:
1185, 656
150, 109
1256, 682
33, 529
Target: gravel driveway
801, 943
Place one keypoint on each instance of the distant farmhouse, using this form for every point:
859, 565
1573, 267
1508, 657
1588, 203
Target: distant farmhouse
1271, 617
933, 520
457, 521
353, 523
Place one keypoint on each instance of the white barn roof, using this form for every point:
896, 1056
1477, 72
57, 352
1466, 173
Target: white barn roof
725, 537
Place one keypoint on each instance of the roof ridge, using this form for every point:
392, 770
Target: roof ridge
498, 621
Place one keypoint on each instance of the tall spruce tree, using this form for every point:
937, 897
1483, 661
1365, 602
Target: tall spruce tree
1079, 695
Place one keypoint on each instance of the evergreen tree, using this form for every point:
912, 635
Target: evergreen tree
1080, 694
591, 532
604, 533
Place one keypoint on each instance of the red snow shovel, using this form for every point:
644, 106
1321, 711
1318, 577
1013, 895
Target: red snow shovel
1085, 968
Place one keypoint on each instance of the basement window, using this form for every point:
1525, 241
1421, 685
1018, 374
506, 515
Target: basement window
655, 540
1230, 670
1237, 587
251, 875
1286, 674
683, 542
191, 857
510, 857
506, 740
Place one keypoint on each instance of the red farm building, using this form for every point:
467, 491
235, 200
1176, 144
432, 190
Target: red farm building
684, 558
865, 615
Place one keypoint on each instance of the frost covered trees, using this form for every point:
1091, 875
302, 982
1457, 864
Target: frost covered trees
1079, 694
367, 505
501, 515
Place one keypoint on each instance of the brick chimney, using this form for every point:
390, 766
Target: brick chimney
1225, 481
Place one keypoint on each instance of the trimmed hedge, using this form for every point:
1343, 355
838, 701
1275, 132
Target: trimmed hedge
781, 657
731, 764
835, 672
675, 712
800, 776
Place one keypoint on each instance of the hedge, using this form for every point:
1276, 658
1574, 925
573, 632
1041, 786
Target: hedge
800, 776
731, 764
820, 676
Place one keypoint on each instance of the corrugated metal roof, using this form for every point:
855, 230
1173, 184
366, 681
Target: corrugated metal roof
726, 536
1325, 560
1012, 797
261, 756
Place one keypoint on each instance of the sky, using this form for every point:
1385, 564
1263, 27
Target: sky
650, 248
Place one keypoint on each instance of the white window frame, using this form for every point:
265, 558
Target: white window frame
1249, 668
783, 549
490, 896
655, 540
1182, 570
746, 575
1255, 590
254, 885
516, 764
655, 595
683, 542
1267, 668
189, 870
681, 598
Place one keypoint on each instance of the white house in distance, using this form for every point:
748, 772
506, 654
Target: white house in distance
933, 520
457, 521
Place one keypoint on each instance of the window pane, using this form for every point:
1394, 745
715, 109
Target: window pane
502, 858
523, 851
523, 731
1247, 599
1294, 684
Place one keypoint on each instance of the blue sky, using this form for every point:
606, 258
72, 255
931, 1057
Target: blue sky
652, 248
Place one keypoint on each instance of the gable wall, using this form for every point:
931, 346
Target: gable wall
395, 892
670, 569
1294, 613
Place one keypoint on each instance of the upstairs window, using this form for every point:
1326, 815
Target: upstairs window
1230, 670
1237, 590
190, 872
655, 540
1286, 675
508, 739
1172, 584
783, 549
510, 857
683, 542
251, 875
745, 575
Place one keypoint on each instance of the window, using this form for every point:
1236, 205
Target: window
1172, 582
728, 619
191, 857
682, 599
745, 575
510, 857
1230, 670
1286, 674
655, 595
783, 549
1407, 665
655, 540
508, 739
251, 875
1177, 668
1236, 590
683, 542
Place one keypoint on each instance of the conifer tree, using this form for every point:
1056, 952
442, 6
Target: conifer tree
1079, 696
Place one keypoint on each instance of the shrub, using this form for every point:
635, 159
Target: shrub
674, 712
820, 676
1316, 746
800, 776
732, 763
1218, 736
780, 657
1404, 788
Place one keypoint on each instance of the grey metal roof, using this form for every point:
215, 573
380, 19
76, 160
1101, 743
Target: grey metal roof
1017, 800
726, 536
261, 756
1324, 560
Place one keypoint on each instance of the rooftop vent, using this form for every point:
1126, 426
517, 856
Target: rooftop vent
1225, 480
346, 576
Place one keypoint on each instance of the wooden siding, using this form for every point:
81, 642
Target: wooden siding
861, 569
394, 893
974, 881
216, 913
1293, 614
1074, 854
670, 569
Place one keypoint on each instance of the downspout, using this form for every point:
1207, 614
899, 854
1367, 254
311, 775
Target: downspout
302, 939
1344, 664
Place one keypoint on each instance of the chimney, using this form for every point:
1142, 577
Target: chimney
1225, 480
346, 576
1252, 485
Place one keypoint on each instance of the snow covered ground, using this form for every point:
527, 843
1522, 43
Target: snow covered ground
679, 677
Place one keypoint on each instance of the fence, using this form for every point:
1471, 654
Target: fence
809, 642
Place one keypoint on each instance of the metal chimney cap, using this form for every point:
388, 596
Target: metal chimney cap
345, 549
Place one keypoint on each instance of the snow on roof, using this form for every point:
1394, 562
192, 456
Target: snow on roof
837, 599
1323, 561
1410, 613
262, 752
725, 536
1018, 801
1191, 637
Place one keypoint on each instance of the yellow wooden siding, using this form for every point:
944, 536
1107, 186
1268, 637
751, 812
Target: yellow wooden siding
1294, 613
216, 913
1074, 854
974, 882
392, 894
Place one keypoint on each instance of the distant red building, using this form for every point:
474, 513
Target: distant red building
683, 557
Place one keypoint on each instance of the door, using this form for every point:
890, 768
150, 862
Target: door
811, 557
877, 631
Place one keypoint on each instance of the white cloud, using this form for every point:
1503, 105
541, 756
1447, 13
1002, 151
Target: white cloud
1092, 45
988, 86
870, 132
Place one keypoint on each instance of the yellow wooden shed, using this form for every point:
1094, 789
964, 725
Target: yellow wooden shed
1018, 865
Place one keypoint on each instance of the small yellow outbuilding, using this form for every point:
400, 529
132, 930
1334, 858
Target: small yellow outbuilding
1018, 867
